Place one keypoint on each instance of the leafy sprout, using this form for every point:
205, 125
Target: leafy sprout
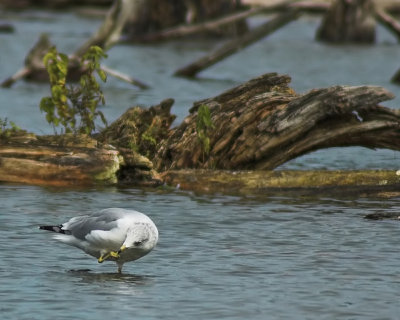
75, 107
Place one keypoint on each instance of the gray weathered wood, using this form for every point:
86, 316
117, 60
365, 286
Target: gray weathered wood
238, 44
262, 124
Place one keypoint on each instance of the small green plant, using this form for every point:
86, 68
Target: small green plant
8, 128
69, 104
204, 125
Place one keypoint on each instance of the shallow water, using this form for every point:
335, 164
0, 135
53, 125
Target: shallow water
218, 256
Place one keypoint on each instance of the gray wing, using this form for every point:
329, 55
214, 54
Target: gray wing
105, 220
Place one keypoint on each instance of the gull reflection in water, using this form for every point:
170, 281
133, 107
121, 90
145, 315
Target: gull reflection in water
121, 284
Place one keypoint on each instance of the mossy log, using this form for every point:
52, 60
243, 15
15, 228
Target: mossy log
263, 123
58, 161
257, 125
315, 182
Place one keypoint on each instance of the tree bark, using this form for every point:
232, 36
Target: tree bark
255, 126
348, 21
50, 161
262, 124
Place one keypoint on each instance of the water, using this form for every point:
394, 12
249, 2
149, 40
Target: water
219, 257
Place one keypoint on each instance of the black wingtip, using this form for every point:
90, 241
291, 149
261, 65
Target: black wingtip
57, 229
48, 228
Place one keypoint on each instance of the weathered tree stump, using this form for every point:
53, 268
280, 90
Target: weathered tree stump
262, 123
348, 21
136, 135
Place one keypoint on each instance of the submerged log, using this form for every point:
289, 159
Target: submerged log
348, 21
238, 44
34, 69
338, 182
383, 215
262, 123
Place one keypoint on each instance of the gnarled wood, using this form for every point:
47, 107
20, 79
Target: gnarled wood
262, 124
257, 125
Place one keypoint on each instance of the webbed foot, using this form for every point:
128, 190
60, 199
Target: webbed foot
104, 257
114, 254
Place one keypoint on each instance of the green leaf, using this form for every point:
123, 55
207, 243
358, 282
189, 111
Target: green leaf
69, 103
102, 75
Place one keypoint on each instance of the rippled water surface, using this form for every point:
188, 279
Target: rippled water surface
219, 257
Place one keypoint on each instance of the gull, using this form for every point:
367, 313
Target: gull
113, 234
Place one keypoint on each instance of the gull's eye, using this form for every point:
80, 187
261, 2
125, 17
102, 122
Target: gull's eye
139, 243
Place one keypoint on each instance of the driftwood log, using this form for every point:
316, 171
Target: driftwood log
384, 183
238, 44
263, 123
57, 161
258, 125
34, 69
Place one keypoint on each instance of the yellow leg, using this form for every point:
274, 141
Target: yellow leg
103, 257
114, 254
